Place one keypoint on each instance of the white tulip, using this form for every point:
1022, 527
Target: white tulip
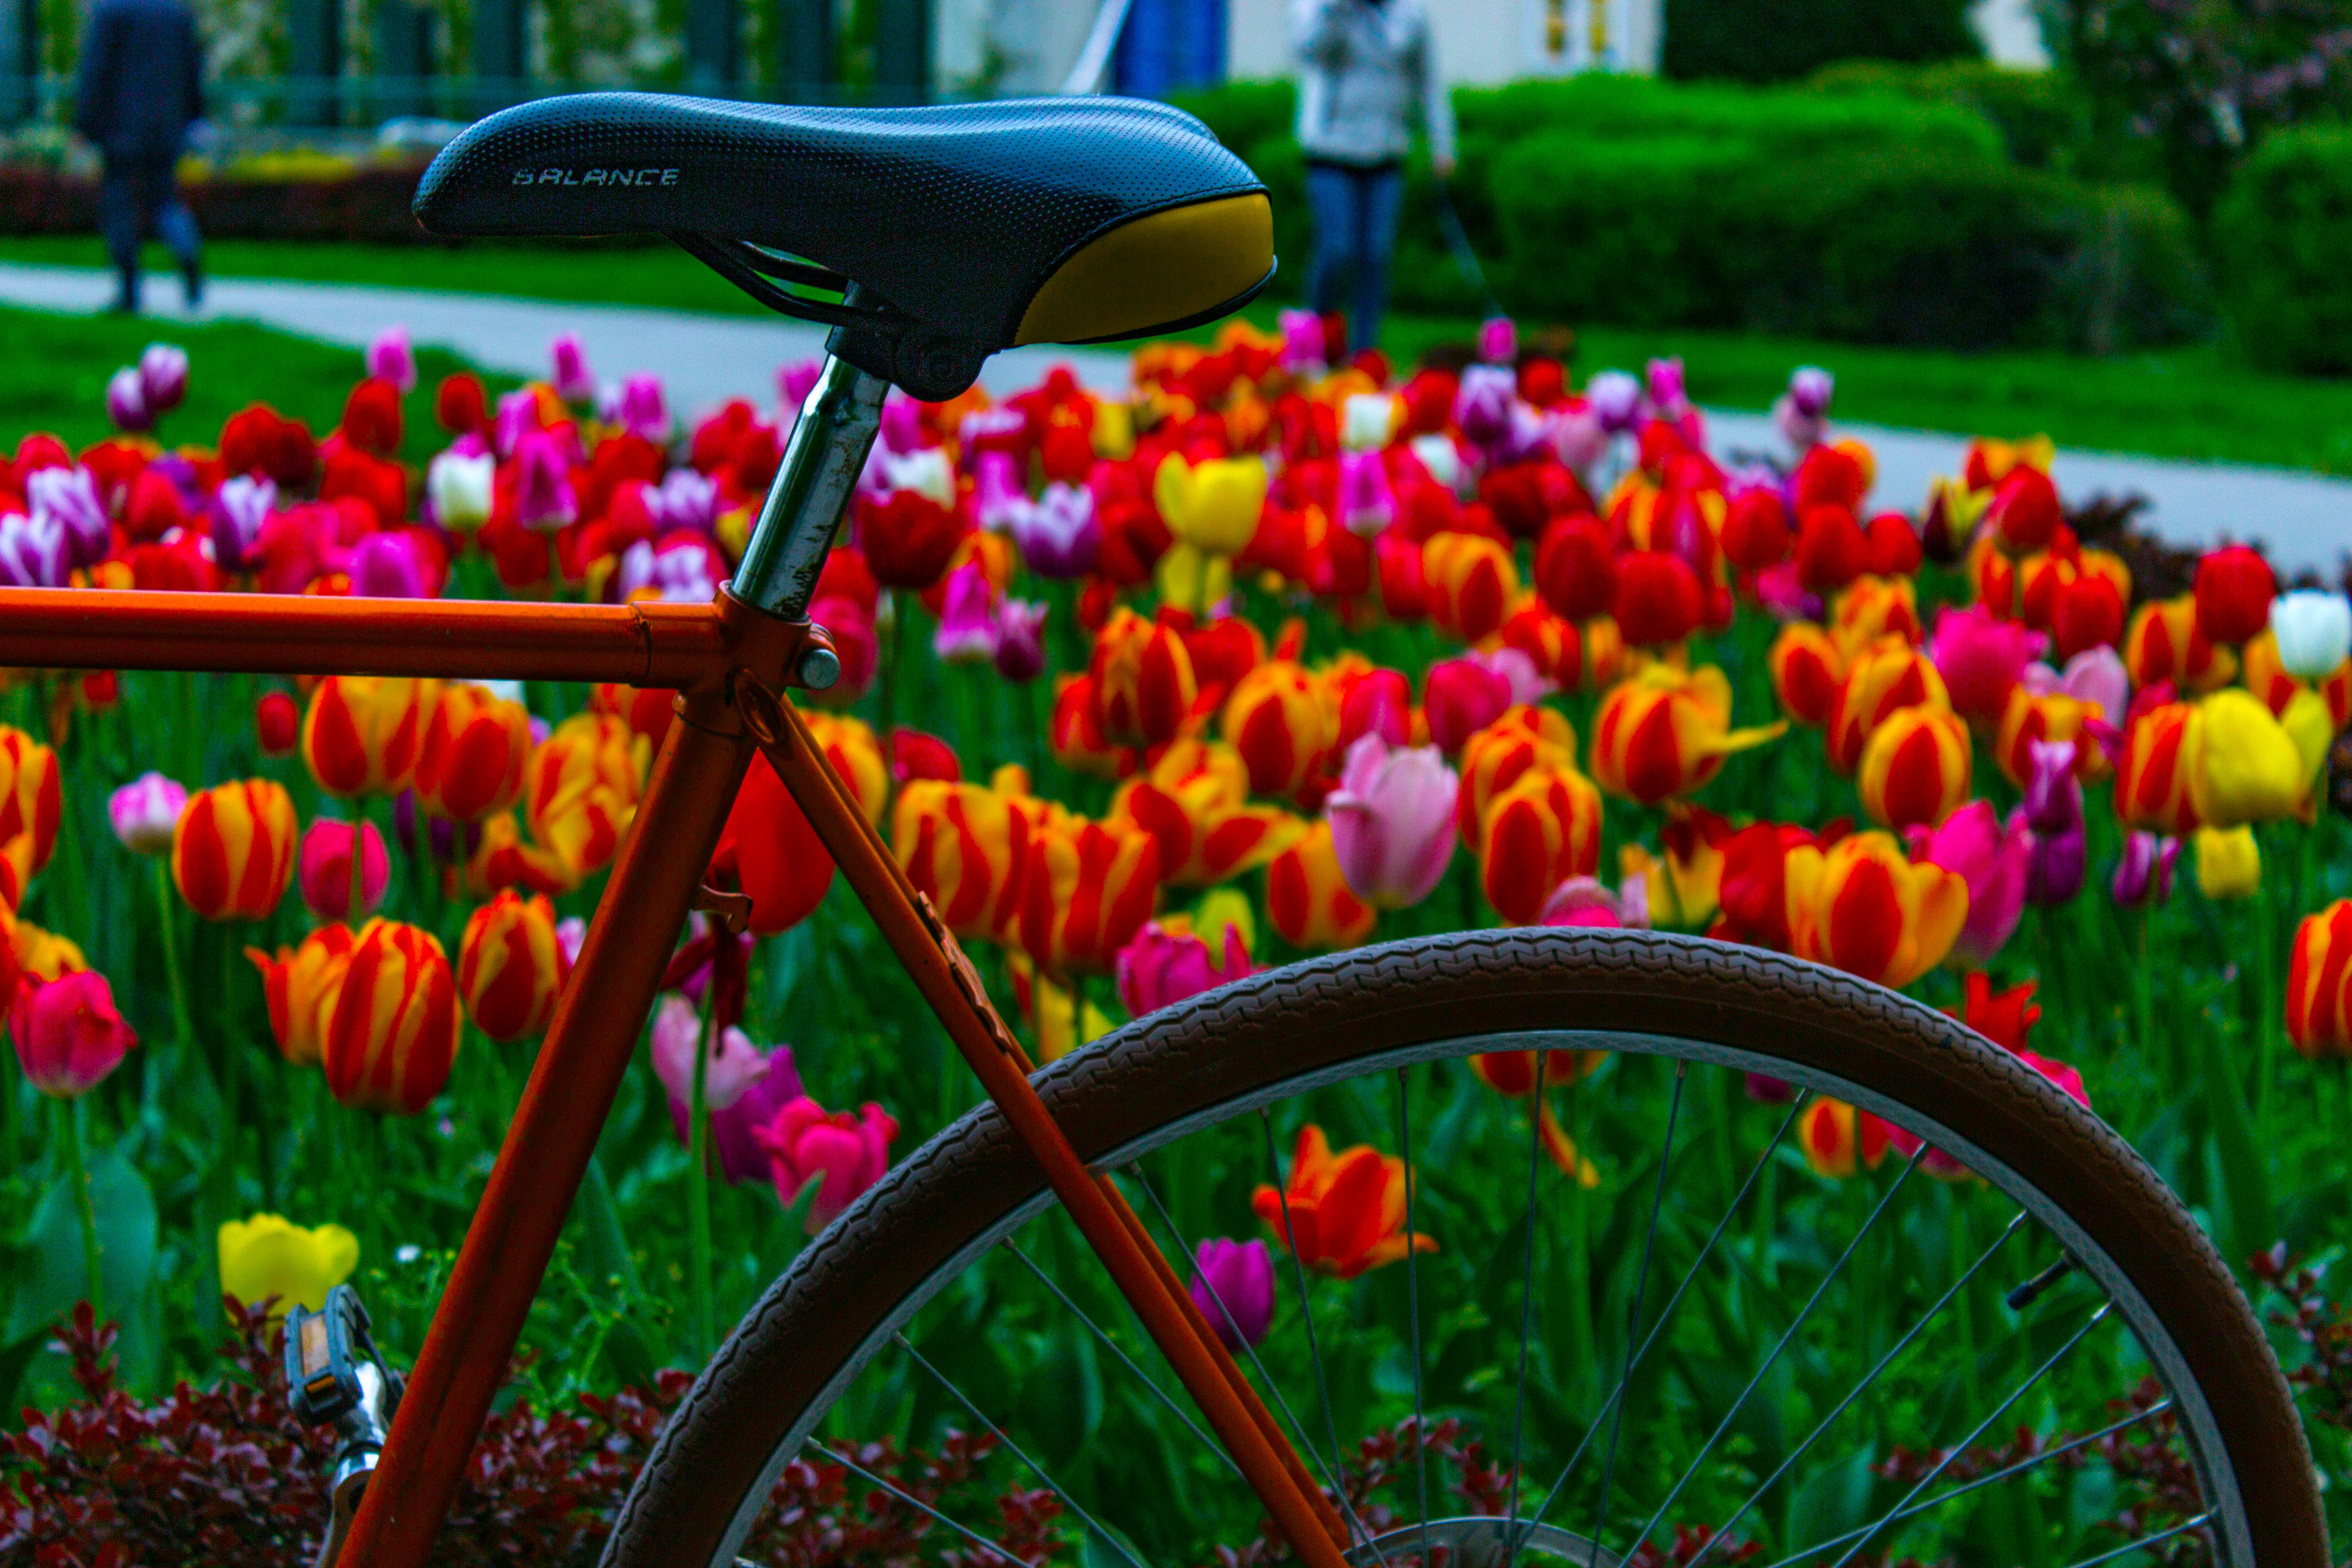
926, 469
2313, 631
1367, 419
1438, 455
460, 488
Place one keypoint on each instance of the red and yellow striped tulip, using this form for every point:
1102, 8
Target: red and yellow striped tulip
1497, 756
1308, 902
966, 849
2153, 782
2267, 678
43, 955
1551, 643
394, 1031
1871, 608
580, 790
31, 795
850, 744
2164, 644
364, 733
1807, 668
2047, 716
1283, 724
1664, 733
300, 985
1683, 888
1839, 1140
1535, 835
1074, 732
1472, 583
1915, 768
233, 849
505, 858
1143, 681
1880, 680
1195, 802
470, 763
2319, 983
1861, 906
1088, 889
510, 968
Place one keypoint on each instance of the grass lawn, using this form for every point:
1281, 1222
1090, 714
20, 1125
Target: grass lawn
2195, 402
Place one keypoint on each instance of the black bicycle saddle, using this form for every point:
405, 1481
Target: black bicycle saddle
959, 230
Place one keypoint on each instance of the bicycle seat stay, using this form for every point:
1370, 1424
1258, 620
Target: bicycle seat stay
966, 228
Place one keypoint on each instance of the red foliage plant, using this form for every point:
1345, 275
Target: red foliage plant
227, 1478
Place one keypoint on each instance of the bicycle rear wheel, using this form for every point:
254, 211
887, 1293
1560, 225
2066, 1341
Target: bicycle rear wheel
1669, 1342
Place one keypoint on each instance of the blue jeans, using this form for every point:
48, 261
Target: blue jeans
1355, 212
132, 193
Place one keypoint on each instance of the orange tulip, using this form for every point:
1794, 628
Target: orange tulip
580, 790
1194, 801
1280, 722
1871, 608
1537, 834
1838, 1140
1143, 679
1088, 889
2050, 716
363, 733
394, 1031
1915, 768
1342, 1214
966, 849
2267, 678
1308, 902
1685, 888
1664, 732
1881, 679
505, 858
233, 849
1472, 583
1552, 644
2164, 644
300, 985
2319, 983
31, 795
850, 744
1807, 668
1859, 906
470, 763
647, 709
1497, 756
1076, 735
510, 968
2162, 750
1604, 657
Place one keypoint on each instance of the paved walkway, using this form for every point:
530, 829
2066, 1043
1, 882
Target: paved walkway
2306, 518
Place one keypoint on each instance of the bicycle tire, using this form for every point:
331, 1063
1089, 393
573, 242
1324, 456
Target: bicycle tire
943, 1206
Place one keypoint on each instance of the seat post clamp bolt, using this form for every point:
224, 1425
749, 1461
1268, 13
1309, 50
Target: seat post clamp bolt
820, 667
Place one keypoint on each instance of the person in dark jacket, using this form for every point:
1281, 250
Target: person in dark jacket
141, 88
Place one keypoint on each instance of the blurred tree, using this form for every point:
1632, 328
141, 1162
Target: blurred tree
1776, 40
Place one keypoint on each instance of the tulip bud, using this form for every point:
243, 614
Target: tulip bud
1470, 583
1379, 702
2233, 594
2229, 864
363, 733
1535, 835
276, 724
394, 1031
1524, 739
1143, 678
1915, 768
300, 985
1576, 567
267, 1258
163, 377
144, 812
1307, 900
233, 849
1664, 732
1880, 681
2144, 873
1838, 1140
1233, 1287
391, 359
1086, 890
1392, 822
1461, 697
68, 1036
126, 401
510, 968
2313, 632
342, 869
1807, 669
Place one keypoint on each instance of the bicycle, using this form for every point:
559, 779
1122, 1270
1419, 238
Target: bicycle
947, 235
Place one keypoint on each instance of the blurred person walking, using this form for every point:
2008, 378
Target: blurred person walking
1366, 72
140, 89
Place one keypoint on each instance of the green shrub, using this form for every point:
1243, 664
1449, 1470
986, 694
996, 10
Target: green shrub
1243, 114
1778, 40
2284, 232
2042, 116
1779, 122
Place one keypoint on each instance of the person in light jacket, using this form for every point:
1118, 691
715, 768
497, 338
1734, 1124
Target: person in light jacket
141, 88
1365, 73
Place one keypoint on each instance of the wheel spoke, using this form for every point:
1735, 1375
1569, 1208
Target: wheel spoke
1787, 1337
1019, 1453
1940, 1498
1527, 1292
2142, 1544
1112, 1346
1723, 1529
994, 1551
1413, 1305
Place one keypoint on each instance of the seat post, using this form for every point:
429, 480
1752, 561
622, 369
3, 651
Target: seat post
822, 460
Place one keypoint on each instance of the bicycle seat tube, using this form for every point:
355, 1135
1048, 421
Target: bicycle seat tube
822, 460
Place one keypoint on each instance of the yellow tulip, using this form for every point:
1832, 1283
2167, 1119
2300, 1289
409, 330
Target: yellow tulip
2249, 769
1212, 511
2229, 862
269, 1255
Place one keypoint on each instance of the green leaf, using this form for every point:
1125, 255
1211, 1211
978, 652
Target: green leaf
54, 1276
1832, 1500
2245, 1174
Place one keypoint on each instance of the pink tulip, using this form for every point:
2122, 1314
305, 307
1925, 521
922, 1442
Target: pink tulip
1021, 639
389, 358
163, 377
342, 869
1991, 857
1392, 822
144, 812
1499, 341
573, 384
966, 630
1981, 657
1461, 697
1366, 503
1379, 703
643, 411
1527, 683
1302, 341
1585, 901
848, 1153
1159, 970
743, 1087
69, 1035
126, 401
2096, 676
543, 495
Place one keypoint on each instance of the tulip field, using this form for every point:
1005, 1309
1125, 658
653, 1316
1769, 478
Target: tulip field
1279, 656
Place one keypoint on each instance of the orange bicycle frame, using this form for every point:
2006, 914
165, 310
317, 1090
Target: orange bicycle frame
729, 661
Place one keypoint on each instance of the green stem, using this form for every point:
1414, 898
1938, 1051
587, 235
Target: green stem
69, 1134
697, 1195
72, 876
182, 1019
2269, 1012
2144, 1004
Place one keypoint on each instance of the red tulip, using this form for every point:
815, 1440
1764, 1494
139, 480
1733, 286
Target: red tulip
459, 403
372, 419
909, 538
2025, 512
1755, 529
1658, 598
773, 852
1576, 568
2234, 589
1831, 549
2089, 613
276, 723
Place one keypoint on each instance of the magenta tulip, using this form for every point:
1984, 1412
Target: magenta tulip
389, 358
1981, 657
342, 869
1379, 703
68, 1036
1159, 969
2144, 873
1392, 822
1461, 697
1234, 1287
743, 1087
1991, 857
846, 1154
966, 632
144, 812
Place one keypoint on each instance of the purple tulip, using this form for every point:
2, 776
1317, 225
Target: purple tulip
1059, 536
1159, 968
238, 511
1302, 342
449, 843
997, 496
2096, 676
1993, 858
385, 566
34, 552
642, 410
1366, 505
69, 495
683, 569
163, 377
516, 417
2054, 810
126, 401
145, 811
572, 381
543, 494
1235, 1289
389, 358
1810, 388
1666, 388
902, 425
1393, 821
1482, 406
1802, 431
983, 433
742, 1087
1499, 341
966, 632
1021, 639
1616, 399
2144, 874
795, 381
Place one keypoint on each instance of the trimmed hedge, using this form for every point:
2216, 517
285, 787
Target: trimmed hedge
1778, 40
371, 204
2284, 234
